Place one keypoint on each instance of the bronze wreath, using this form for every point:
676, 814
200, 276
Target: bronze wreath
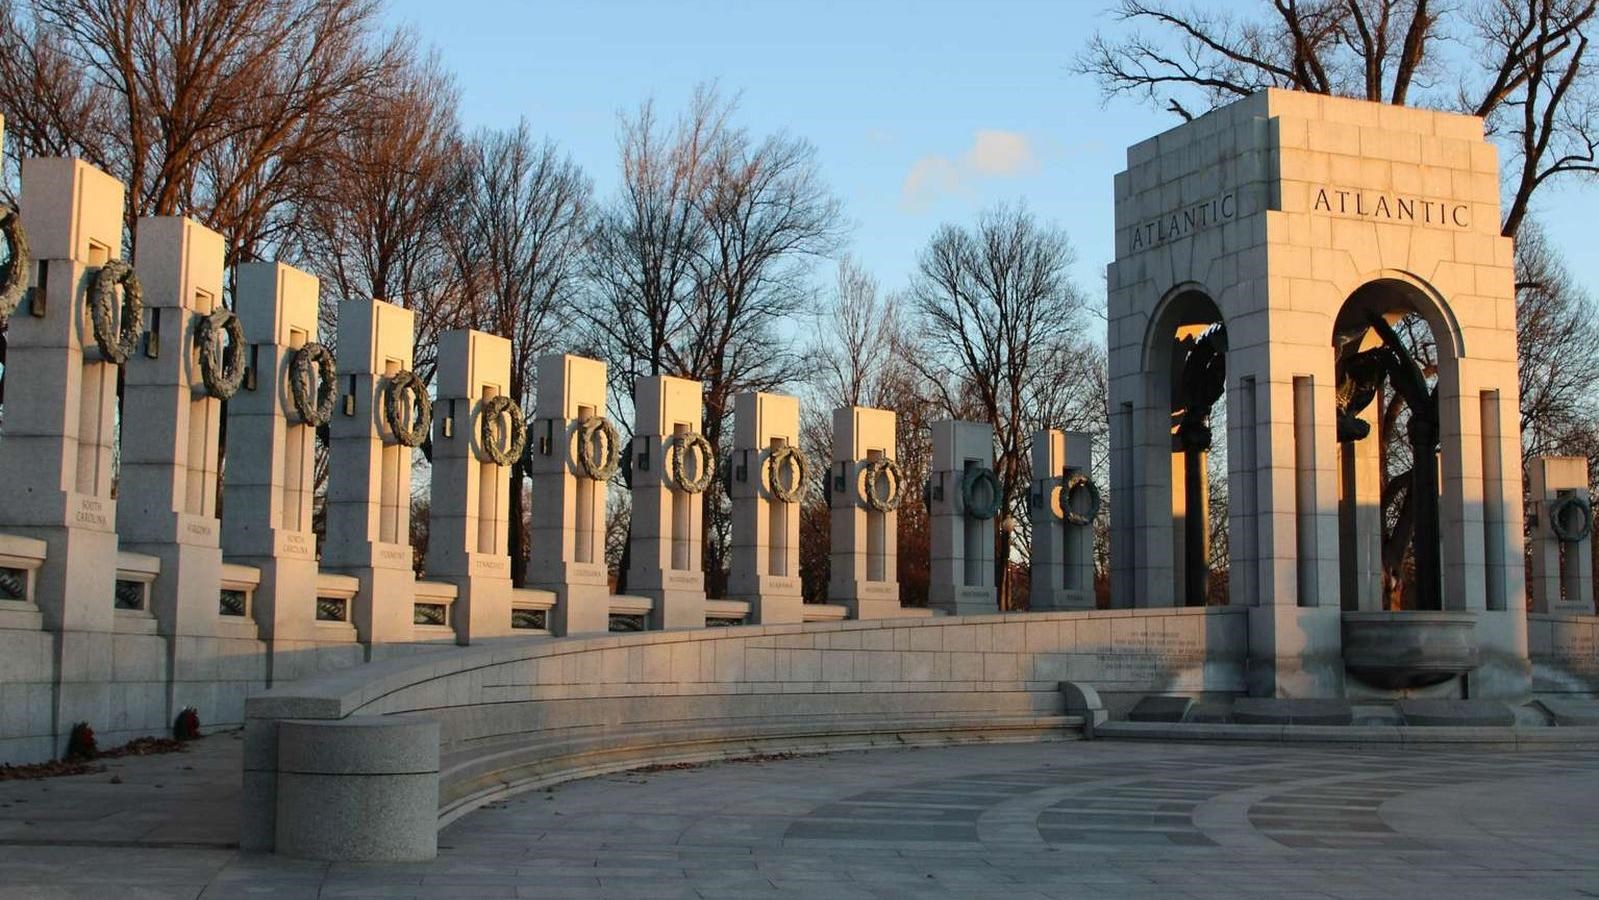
677, 450
302, 380
14, 281
970, 479
223, 376
873, 473
406, 381
1076, 484
786, 455
117, 337
1561, 511
490, 412
603, 468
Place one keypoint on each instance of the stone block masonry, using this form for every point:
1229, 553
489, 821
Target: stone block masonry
1284, 222
511, 715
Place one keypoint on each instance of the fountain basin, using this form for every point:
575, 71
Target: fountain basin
1409, 648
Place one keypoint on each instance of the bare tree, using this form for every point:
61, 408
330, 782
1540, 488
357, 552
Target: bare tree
1373, 49
998, 313
1520, 64
853, 353
1076, 397
518, 241
217, 111
51, 107
647, 242
701, 258
859, 355
377, 221
1557, 342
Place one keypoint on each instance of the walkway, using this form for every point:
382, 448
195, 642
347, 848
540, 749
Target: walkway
1099, 819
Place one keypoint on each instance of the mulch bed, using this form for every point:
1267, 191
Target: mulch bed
145, 746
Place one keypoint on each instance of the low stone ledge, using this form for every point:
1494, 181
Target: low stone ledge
490, 770
1570, 712
1291, 711
1426, 737
1161, 709
1456, 713
351, 689
513, 713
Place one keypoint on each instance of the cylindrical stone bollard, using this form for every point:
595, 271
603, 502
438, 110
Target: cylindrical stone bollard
363, 789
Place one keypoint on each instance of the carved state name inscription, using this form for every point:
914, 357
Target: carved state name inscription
1392, 207
1184, 222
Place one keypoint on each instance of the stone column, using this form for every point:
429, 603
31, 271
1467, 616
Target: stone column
766, 529
863, 576
1063, 552
1190, 510
567, 540
60, 427
468, 526
266, 521
961, 560
369, 483
1562, 582
668, 512
167, 497
1360, 518
171, 427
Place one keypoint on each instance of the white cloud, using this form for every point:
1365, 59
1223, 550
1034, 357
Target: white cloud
1002, 154
929, 177
993, 154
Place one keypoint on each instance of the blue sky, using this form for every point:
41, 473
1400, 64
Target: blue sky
921, 112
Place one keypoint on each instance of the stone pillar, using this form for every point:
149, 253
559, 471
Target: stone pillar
1063, 552
1562, 573
1190, 510
766, 528
167, 496
863, 576
266, 522
1360, 518
668, 513
60, 427
961, 559
468, 526
369, 482
566, 552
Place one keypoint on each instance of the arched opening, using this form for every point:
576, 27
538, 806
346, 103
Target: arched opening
1393, 348
1194, 356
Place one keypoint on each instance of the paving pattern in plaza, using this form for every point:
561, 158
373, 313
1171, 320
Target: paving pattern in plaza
1100, 819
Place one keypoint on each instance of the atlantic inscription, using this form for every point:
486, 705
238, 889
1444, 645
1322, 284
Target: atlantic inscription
1185, 221
1392, 207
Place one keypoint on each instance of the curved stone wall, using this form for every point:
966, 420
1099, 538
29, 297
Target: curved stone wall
1564, 649
517, 713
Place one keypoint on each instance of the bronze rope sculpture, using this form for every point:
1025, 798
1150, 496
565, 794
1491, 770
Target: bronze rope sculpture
1203, 381
1360, 375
